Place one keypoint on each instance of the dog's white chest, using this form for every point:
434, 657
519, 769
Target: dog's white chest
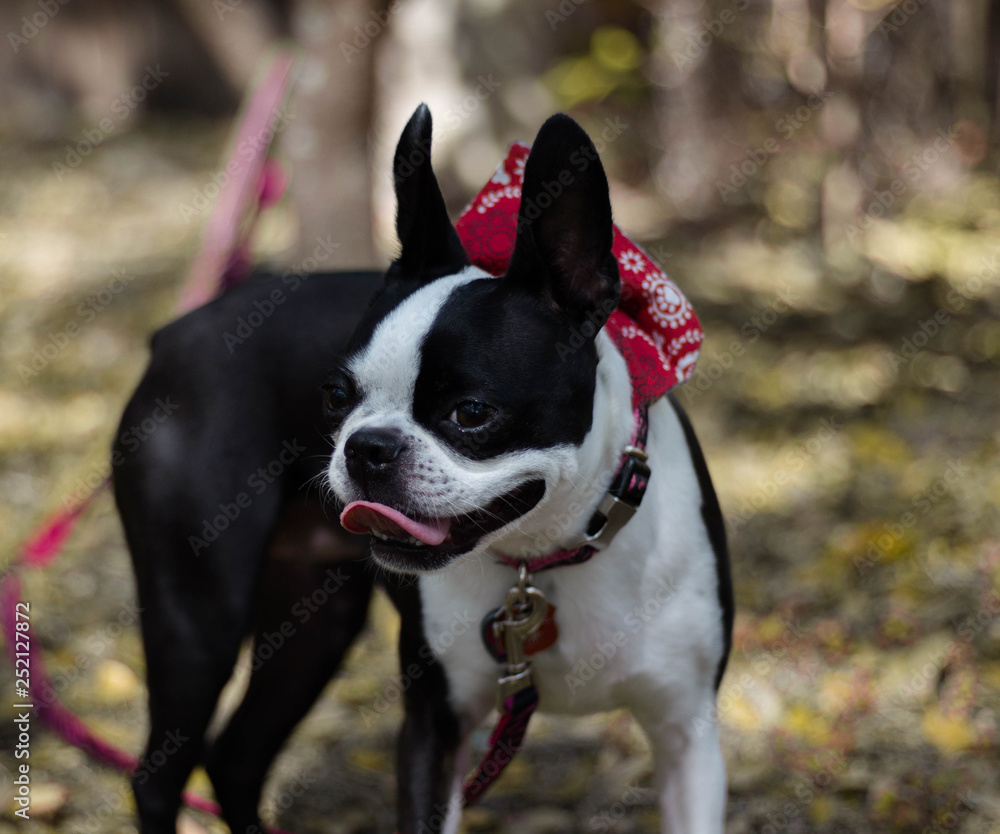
578, 673
595, 652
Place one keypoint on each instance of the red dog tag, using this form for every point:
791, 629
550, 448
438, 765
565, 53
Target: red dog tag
547, 634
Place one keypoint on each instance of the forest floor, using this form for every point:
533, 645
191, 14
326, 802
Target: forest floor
847, 403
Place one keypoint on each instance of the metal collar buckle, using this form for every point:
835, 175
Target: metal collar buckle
621, 500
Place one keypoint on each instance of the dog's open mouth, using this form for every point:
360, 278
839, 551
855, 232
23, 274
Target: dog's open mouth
411, 543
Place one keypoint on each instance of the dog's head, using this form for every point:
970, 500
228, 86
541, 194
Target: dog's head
459, 405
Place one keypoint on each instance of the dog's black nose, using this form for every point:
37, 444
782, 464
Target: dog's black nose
370, 452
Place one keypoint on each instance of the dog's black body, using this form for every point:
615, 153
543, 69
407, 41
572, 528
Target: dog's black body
238, 411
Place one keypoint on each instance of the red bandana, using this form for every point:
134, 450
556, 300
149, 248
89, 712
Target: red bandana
654, 326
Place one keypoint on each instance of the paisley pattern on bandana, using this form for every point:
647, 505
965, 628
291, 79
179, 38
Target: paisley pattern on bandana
654, 327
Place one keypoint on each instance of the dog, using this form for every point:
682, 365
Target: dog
465, 439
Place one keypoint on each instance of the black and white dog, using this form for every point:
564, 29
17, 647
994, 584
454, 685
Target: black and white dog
458, 434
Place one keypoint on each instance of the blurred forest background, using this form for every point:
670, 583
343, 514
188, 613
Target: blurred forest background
819, 176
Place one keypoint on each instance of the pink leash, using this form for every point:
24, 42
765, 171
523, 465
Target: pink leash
223, 261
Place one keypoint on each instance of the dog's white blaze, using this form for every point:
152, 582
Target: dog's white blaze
389, 364
387, 371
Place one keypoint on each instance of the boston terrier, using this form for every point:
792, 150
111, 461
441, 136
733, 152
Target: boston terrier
478, 438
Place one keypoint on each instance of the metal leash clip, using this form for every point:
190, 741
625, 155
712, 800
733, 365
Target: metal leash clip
522, 614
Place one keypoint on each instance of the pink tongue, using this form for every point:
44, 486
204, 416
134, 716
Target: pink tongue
362, 516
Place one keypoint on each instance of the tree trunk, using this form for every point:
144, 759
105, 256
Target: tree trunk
327, 138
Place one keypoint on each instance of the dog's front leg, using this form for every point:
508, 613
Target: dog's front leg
690, 772
430, 738
428, 769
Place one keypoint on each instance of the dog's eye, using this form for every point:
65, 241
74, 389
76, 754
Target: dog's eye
339, 396
472, 414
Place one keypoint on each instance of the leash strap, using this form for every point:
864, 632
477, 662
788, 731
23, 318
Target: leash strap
257, 181
504, 743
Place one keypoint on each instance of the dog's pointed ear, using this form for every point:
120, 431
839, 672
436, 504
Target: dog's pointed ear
562, 252
430, 245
